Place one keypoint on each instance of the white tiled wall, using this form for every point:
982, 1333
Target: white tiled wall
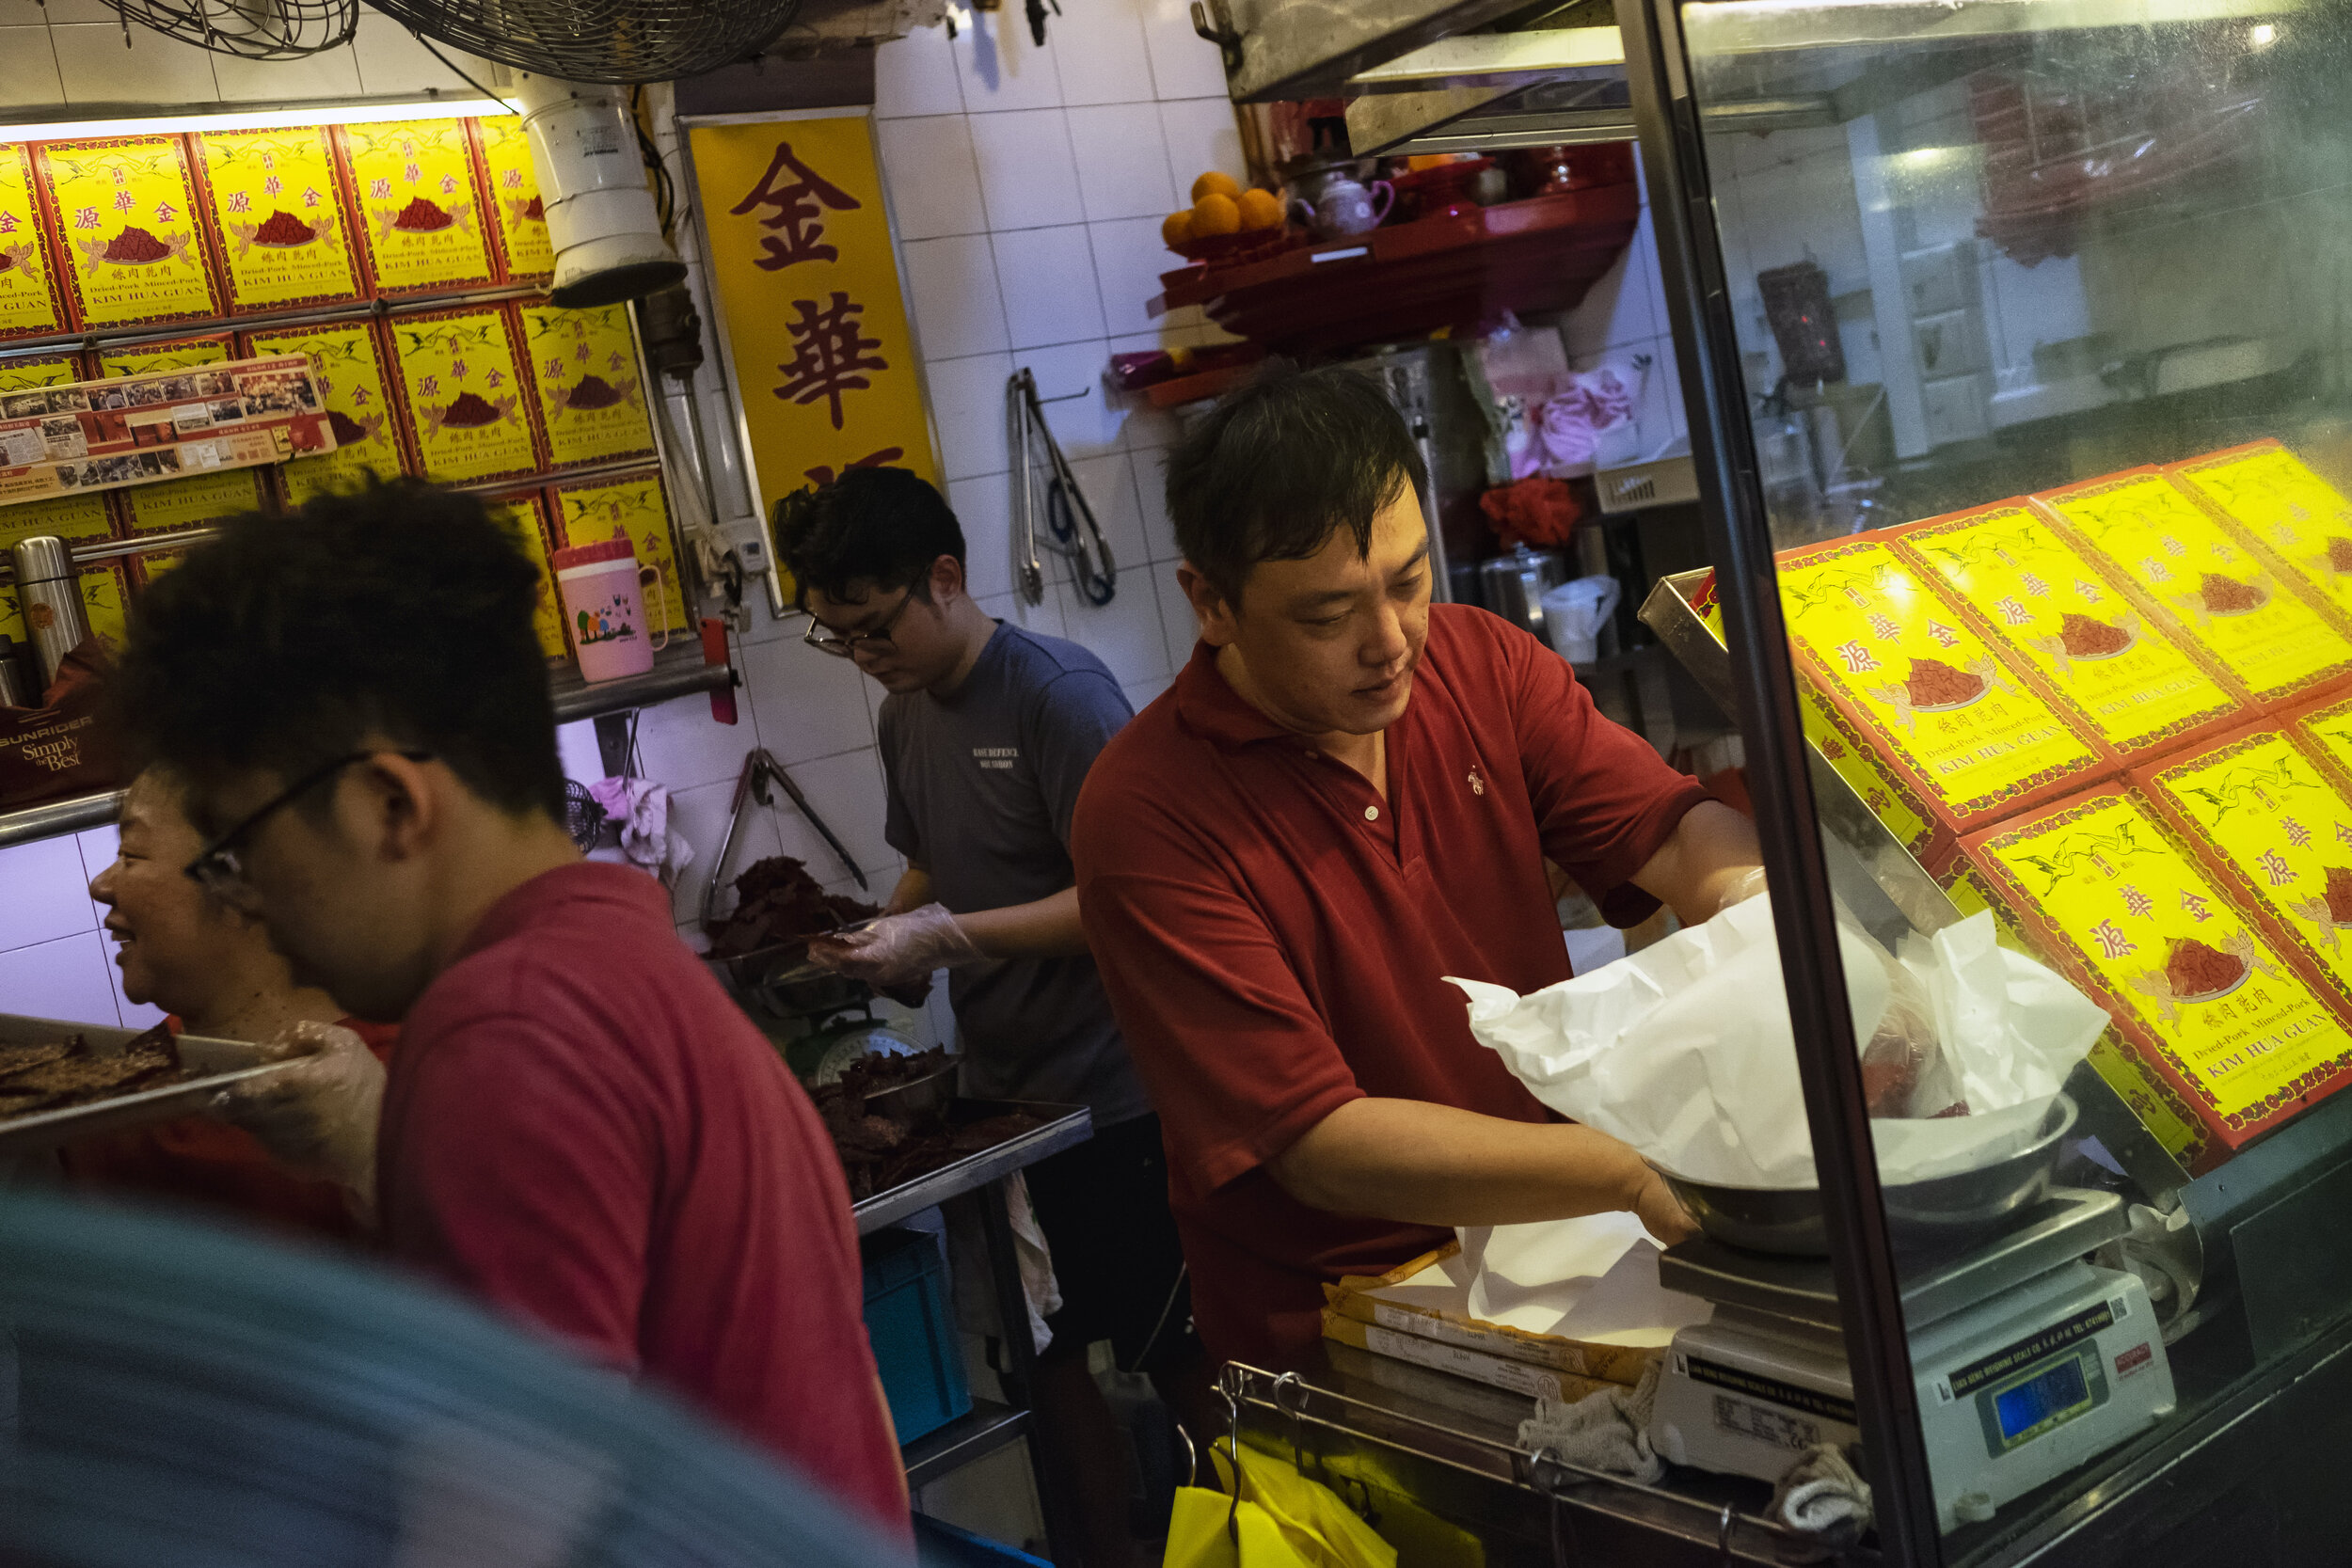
1622, 317
54, 960
75, 52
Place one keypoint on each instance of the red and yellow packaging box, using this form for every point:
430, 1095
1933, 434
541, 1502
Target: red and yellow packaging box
72, 518
1898, 807
590, 391
347, 359
2121, 675
2203, 988
2273, 823
1964, 727
2274, 495
181, 503
2210, 583
518, 218
32, 303
130, 241
525, 515
274, 208
2326, 728
463, 395
2150, 1095
417, 199
633, 505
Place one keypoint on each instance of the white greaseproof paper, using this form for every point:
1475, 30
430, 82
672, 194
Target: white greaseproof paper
1685, 1050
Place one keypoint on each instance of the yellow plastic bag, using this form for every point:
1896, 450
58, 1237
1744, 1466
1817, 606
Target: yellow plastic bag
1319, 1528
1196, 1536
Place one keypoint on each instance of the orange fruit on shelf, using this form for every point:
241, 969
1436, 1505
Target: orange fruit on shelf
1215, 214
1176, 228
1214, 184
1260, 209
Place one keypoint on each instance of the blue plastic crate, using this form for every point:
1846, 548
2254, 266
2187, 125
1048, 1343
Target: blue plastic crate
940, 1545
912, 1328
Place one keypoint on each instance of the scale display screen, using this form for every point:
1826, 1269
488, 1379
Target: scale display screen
2031, 1404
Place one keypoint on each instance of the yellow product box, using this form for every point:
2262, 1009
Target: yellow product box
591, 396
2122, 677
182, 503
125, 211
413, 192
1947, 712
347, 365
2209, 583
2272, 823
2201, 985
31, 305
66, 516
2148, 1095
2273, 494
633, 505
463, 394
518, 218
524, 513
275, 208
1895, 804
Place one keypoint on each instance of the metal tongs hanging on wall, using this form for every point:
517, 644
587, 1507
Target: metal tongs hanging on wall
1072, 532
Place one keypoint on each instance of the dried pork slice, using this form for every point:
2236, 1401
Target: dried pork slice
18, 1058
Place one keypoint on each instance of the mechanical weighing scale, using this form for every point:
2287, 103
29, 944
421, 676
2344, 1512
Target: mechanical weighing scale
2029, 1360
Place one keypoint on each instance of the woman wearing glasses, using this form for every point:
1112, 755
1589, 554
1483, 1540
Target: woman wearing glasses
986, 734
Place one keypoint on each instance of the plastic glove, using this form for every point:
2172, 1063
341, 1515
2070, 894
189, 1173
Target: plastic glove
318, 1116
898, 947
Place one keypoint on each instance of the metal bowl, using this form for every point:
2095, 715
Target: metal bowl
1940, 1213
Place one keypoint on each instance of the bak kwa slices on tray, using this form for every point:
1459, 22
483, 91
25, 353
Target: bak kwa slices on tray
53, 1075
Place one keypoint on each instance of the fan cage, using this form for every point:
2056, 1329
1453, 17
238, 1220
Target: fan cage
616, 43
248, 29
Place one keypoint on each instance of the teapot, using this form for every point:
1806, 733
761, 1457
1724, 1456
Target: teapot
1334, 204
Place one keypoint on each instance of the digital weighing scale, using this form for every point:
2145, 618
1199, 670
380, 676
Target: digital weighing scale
2028, 1361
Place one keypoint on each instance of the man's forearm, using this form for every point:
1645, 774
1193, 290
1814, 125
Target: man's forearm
1421, 1163
1048, 927
1710, 850
913, 892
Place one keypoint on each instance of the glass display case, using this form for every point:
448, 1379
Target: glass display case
2018, 337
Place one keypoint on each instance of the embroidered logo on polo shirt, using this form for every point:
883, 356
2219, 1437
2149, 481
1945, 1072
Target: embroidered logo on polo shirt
1478, 785
997, 757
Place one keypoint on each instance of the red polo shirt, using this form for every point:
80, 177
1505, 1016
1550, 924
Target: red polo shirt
1275, 935
583, 1131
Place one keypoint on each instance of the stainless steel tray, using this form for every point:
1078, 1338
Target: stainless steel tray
1066, 1126
1945, 1210
217, 1063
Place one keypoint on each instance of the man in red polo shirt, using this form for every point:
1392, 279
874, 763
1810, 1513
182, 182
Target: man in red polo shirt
579, 1129
1348, 795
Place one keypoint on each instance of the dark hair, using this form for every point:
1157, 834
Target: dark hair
1280, 464
880, 525
399, 611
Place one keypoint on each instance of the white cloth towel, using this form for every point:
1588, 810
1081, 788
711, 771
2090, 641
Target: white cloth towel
641, 808
1606, 1431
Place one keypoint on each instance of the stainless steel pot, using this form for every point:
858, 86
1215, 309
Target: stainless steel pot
49, 591
1942, 1211
1513, 586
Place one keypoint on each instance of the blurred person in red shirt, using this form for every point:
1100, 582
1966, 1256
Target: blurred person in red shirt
578, 1127
209, 967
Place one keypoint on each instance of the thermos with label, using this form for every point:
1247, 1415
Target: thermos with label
49, 591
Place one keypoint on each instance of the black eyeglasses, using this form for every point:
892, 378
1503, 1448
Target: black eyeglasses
218, 868
845, 648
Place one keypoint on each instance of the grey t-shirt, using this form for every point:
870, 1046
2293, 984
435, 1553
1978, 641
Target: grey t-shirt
983, 783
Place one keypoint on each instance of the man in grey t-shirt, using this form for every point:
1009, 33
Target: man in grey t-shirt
987, 735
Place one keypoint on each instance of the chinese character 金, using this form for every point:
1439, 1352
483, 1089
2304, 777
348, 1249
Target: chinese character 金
831, 351
823, 474
2091, 595
1944, 636
2112, 942
797, 209
2196, 907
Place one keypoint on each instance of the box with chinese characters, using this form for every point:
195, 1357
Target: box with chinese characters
1966, 727
2147, 1093
199, 497
347, 366
2273, 494
2211, 583
2201, 982
131, 248
2119, 672
461, 387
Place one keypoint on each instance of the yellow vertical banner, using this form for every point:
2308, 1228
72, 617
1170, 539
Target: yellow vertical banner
816, 327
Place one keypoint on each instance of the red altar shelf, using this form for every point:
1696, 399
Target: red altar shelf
1451, 270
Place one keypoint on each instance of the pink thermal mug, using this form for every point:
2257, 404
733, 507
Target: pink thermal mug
604, 608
